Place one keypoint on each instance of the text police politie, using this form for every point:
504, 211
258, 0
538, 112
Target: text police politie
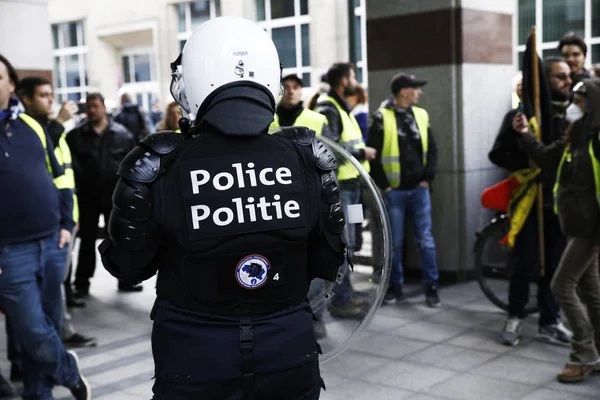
243, 193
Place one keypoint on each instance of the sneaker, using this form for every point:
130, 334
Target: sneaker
320, 331
390, 295
78, 340
431, 297
6, 389
555, 334
511, 333
82, 390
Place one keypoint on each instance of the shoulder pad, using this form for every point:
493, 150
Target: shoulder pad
324, 157
299, 134
140, 165
163, 142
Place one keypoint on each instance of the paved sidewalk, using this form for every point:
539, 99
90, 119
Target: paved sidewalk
408, 352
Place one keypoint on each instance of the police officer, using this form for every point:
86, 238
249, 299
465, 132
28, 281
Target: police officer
236, 221
291, 112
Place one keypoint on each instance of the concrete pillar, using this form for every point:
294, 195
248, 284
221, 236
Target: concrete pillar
464, 50
25, 37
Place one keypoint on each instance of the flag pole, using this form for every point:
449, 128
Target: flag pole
540, 189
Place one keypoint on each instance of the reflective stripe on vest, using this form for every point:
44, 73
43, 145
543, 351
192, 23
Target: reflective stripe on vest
307, 118
390, 154
595, 167
352, 136
67, 180
37, 128
63, 156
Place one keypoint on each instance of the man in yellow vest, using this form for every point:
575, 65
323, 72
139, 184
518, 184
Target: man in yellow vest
291, 111
405, 166
32, 248
37, 96
344, 129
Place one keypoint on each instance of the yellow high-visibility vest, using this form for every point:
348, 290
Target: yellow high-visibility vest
63, 156
351, 136
307, 118
566, 157
390, 154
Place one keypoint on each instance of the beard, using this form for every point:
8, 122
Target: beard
350, 91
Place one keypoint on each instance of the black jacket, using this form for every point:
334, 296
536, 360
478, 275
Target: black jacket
334, 122
411, 151
577, 205
507, 154
97, 158
132, 118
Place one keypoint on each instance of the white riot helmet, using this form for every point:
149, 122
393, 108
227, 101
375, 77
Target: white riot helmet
220, 52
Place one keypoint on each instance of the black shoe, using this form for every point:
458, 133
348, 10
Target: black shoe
75, 302
78, 340
82, 390
352, 309
393, 294
6, 389
81, 293
432, 297
16, 373
128, 287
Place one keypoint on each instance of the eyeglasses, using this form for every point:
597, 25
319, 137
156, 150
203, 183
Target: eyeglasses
562, 77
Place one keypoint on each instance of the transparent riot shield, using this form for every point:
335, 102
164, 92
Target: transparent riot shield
345, 307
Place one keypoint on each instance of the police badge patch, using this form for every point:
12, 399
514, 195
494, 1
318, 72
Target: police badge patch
252, 271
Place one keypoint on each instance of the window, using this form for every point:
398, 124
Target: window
70, 61
595, 8
137, 68
288, 23
358, 40
526, 19
595, 50
193, 14
562, 16
553, 19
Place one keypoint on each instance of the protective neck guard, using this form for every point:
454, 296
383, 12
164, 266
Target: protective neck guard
240, 109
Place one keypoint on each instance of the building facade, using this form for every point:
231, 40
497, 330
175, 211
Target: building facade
127, 45
29, 50
554, 18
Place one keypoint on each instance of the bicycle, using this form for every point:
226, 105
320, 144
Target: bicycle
493, 266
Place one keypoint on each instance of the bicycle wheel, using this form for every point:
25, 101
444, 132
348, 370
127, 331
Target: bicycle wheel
493, 268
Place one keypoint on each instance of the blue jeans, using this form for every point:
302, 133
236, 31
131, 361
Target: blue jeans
31, 296
417, 203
